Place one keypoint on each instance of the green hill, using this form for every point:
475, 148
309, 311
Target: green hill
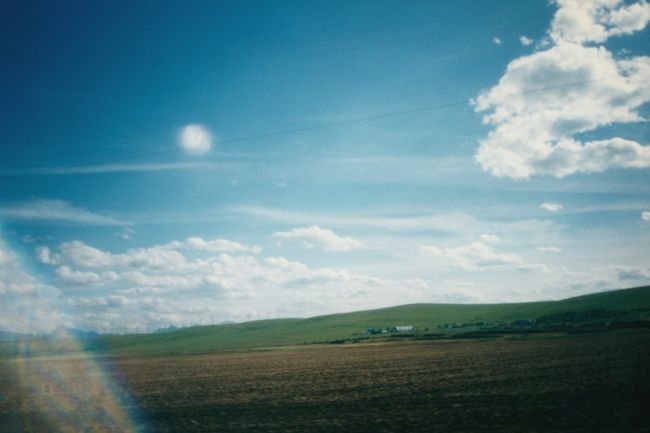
267, 333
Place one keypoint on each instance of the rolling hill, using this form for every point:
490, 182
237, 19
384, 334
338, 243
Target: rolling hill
277, 332
625, 304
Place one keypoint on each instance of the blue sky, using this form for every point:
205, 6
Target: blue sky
166, 163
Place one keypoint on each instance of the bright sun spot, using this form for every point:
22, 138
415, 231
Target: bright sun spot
195, 139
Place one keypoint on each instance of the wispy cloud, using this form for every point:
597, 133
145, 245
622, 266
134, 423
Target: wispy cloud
473, 256
549, 249
551, 207
453, 222
57, 210
105, 168
315, 236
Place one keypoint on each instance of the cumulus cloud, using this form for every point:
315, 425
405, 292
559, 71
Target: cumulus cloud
175, 282
195, 139
490, 238
497, 40
167, 256
26, 304
160, 268
316, 236
216, 245
45, 255
597, 20
155, 257
551, 207
99, 301
585, 87
69, 276
56, 210
549, 249
525, 41
645, 215
472, 256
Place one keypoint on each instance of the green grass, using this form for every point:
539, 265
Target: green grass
279, 332
268, 333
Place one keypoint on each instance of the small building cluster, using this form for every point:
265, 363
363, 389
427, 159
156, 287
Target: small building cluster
457, 325
401, 329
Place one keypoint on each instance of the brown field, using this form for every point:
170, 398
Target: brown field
586, 383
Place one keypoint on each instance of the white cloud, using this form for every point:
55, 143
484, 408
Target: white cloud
26, 304
176, 282
126, 234
100, 301
645, 215
584, 88
315, 236
472, 256
216, 245
56, 210
525, 41
549, 249
497, 40
597, 20
84, 278
195, 139
551, 207
490, 238
418, 284
46, 256
81, 254
162, 267
156, 257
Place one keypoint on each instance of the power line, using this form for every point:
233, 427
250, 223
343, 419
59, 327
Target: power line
303, 129
390, 114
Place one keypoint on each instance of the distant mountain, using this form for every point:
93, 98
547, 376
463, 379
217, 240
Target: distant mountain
15, 336
63, 333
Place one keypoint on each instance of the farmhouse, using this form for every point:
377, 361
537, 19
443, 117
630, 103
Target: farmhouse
402, 329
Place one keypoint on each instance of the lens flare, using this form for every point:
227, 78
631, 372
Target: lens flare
52, 386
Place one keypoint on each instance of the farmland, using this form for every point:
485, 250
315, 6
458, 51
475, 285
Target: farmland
632, 303
551, 383
581, 365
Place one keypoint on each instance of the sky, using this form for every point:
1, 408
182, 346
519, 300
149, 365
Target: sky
180, 163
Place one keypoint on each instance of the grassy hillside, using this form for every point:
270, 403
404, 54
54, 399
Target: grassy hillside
265, 333
278, 332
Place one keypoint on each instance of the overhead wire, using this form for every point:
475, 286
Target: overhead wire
281, 132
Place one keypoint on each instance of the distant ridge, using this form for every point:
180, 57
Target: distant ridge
60, 333
629, 306
276, 332
15, 336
